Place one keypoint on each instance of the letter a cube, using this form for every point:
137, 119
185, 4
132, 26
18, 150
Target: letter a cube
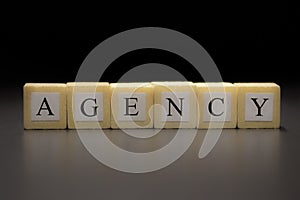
44, 106
217, 105
175, 105
131, 105
88, 105
258, 105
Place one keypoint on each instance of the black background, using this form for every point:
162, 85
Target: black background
248, 43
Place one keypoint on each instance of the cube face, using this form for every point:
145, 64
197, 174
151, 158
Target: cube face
217, 104
131, 105
88, 105
175, 105
44, 106
258, 105
42, 102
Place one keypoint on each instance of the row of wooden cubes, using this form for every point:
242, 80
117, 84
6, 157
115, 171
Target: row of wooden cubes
92, 105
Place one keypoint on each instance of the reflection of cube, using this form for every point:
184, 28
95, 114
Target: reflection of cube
44, 106
131, 105
258, 105
88, 105
217, 105
175, 105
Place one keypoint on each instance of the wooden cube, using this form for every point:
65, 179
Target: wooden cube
217, 104
88, 105
131, 105
175, 105
44, 106
258, 105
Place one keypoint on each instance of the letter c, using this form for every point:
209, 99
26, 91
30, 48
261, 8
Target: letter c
210, 107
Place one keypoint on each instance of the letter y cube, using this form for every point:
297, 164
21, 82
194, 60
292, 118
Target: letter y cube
258, 105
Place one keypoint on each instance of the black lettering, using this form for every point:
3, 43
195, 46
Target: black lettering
132, 106
171, 102
45, 108
259, 106
94, 107
210, 107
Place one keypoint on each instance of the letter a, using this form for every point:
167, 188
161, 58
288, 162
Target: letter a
45, 108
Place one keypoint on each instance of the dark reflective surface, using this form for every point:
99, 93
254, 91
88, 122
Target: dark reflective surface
244, 164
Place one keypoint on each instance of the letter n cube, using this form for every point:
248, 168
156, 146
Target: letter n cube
175, 105
44, 106
258, 105
131, 105
88, 105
